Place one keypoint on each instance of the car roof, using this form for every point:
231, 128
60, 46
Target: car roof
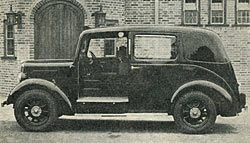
146, 28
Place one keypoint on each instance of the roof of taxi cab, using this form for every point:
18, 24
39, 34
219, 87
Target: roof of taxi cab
149, 28
188, 31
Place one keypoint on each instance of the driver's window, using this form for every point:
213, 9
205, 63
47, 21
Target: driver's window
106, 47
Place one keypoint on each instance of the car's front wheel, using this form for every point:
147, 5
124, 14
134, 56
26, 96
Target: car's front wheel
195, 112
35, 110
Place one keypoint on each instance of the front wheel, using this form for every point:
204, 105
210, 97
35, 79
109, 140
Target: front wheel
195, 112
35, 110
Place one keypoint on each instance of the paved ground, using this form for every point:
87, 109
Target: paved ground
97, 128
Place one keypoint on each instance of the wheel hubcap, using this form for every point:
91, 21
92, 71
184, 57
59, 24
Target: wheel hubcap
195, 113
36, 111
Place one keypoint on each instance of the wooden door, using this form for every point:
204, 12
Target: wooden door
57, 28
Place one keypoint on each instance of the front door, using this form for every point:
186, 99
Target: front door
103, 72
57, 28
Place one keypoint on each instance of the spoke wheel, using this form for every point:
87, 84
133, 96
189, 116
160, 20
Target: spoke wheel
195, 112
35, 110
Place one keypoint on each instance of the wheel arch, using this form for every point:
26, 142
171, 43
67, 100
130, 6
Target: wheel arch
218, 94
45, 85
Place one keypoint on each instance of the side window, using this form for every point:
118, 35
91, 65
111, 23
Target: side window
155, 47
203, 53
106, 47
97, 47
204, 47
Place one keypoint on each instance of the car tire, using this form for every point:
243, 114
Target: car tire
35, 110
194, 112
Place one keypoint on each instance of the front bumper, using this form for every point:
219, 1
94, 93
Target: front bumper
9, 101
4, 103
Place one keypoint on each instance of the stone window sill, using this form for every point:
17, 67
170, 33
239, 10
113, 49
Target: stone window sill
240, 25
191, 25
9, 58
218, 25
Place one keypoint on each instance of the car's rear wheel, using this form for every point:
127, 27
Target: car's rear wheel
35, 110
195, 112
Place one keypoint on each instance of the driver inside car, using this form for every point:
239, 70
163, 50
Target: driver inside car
124, 61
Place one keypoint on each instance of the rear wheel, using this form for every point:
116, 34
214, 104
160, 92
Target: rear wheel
36, 110
195, 112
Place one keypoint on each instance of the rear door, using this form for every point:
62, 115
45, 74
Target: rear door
153, 67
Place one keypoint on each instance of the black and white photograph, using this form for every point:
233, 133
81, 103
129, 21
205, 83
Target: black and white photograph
124, 71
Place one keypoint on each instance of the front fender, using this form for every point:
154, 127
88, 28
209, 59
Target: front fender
204, 83
41, 82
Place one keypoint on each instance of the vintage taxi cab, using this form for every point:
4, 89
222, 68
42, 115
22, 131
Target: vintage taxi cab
184, 72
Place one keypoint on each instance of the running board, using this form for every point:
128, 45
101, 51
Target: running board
103, 99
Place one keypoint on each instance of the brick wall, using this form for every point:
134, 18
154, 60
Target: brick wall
237, 43
139, 12
8, 67
170, 12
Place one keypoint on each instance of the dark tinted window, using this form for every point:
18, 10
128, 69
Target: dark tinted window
203, 54
243, 1
204, 47
190, 1
216, 1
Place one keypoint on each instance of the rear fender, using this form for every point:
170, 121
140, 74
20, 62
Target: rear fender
203, 83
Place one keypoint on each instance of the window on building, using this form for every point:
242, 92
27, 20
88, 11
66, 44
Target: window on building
190, 17
190, 12
190, 1
9, 40
109, 48
217, 1
217, 16
242, 12
155, 47
217, 12
243, 1
243, 16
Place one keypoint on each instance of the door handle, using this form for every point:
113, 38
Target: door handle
134, 68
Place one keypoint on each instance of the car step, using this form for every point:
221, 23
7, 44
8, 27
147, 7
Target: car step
103, 99
112, 115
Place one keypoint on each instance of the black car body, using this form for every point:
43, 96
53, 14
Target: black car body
184, 72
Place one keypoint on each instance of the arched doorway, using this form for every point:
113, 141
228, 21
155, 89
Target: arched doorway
57, 28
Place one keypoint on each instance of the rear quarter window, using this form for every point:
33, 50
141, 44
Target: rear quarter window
206, 47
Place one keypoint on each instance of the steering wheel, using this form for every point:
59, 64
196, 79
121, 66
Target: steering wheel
93, 58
